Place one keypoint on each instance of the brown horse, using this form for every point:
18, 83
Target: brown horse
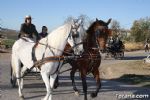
90, 60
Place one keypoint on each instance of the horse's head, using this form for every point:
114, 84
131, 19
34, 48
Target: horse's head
76, 39
100, 28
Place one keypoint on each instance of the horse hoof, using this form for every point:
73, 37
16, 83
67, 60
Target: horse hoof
93, 95
76, 93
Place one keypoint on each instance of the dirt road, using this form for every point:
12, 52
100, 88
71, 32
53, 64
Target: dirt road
34, 88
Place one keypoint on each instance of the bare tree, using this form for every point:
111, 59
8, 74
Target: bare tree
68, 19
115, 26
86, 21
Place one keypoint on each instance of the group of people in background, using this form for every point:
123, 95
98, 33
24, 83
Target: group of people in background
115, 44
29, 30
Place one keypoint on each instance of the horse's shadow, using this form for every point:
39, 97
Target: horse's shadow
65, 87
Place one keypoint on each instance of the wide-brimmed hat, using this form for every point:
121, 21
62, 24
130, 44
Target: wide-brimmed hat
28, 17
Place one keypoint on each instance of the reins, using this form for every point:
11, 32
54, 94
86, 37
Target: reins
47, 46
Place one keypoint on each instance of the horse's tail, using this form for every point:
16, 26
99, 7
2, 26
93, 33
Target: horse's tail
12, 66
12, 74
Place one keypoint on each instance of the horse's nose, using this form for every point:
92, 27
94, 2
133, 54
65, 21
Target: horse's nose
81, 52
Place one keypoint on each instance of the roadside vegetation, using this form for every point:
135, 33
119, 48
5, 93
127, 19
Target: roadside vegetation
8, 43
132, 46
137, 34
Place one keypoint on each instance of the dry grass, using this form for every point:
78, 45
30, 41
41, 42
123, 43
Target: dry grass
133, 46
119, 69
135, 72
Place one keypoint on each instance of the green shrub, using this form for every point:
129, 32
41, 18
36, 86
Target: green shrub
8, 42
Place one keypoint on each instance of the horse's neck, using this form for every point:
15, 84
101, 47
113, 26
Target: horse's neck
90, 41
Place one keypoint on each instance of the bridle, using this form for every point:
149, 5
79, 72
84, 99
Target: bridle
99, 30
75, 34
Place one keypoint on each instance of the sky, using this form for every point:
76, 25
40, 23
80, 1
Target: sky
52, 13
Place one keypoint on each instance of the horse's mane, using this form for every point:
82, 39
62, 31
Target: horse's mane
90, 37
90, 29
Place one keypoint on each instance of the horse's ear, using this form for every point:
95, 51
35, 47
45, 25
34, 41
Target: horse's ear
96, 19
109, 21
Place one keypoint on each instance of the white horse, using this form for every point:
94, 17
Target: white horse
55, 42
77, 38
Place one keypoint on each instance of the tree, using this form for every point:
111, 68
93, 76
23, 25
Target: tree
115, 26
140, 30
68, 19
86, 21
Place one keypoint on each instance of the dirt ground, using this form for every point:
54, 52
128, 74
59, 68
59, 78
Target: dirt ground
34, 88
118, 69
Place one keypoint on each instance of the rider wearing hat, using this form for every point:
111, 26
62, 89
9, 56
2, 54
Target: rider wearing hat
28, 29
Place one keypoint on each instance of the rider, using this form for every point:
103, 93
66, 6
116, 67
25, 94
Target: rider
110, 42
28, 29
146, 45
44, 33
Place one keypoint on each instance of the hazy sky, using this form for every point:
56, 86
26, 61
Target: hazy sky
52, 13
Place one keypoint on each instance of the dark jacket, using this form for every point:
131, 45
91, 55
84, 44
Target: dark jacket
43, 35
28, 31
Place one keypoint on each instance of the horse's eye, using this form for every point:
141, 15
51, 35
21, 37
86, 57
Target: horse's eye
75, 35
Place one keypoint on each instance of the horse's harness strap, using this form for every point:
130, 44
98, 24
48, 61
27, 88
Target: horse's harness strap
46, 60
91, 62
92, 57
77, 44
24, 38
33, 52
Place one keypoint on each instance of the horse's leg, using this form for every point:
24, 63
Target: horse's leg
56, 83
17, 64
52, 82
13, 74
45, 77
72, 73
98, 82
84, 84
23, 70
